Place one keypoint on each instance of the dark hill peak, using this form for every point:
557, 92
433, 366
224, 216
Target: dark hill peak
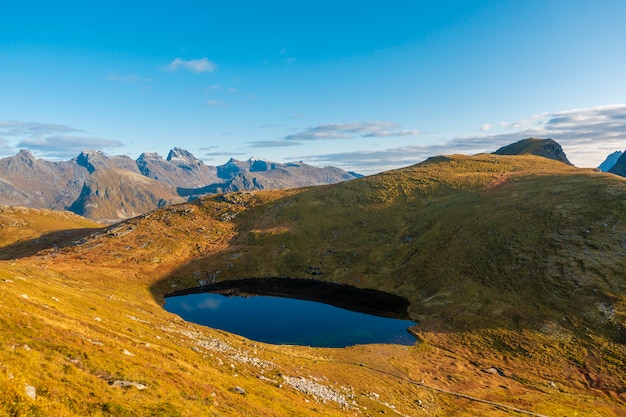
25, 153
548, 148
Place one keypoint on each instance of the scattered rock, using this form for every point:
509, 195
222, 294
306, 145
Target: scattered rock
494, 370
238, 390
30, 391
319, 391
127, 384
127, 353
24, 296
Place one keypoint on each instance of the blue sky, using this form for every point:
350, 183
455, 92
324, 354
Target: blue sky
366, 86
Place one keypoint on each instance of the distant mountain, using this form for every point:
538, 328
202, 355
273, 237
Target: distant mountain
547, 148
619, 167
110, 195
610, 161
30, 182
110, 188
180, 168
257, 174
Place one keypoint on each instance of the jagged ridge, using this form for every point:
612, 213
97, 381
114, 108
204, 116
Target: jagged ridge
108, 188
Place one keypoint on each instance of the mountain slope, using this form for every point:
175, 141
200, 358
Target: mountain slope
28, 181
111, 195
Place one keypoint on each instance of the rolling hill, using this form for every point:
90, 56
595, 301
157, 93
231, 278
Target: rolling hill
513, 267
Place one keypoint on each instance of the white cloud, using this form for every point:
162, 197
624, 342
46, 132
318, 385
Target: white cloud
217, 103
486, 127
351, 130
66, 146
272, 143
129, 78
14, 128
51, 140
197, 65
586, 135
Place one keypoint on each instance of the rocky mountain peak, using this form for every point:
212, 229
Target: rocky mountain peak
150, 156
25, 153
90, 159
93, 160
181, 156
26, 157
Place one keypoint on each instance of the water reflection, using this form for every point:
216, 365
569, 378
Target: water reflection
281, 320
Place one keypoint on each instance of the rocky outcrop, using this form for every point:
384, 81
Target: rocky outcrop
547, 148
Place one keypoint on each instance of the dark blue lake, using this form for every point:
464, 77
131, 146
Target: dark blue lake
280, 320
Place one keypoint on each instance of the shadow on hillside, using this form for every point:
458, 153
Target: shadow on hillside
52, 240
366, 301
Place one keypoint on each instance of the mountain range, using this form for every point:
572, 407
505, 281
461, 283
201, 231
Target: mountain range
110, 188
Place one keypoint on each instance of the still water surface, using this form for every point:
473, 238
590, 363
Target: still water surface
280, 320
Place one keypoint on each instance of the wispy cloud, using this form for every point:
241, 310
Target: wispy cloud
52, 140
217, 103
15, 128
128, 78
587, 136
195, 65
351, 130
272, 143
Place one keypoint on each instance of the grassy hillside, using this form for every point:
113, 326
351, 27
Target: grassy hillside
24, 231
514, 267
486, 241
